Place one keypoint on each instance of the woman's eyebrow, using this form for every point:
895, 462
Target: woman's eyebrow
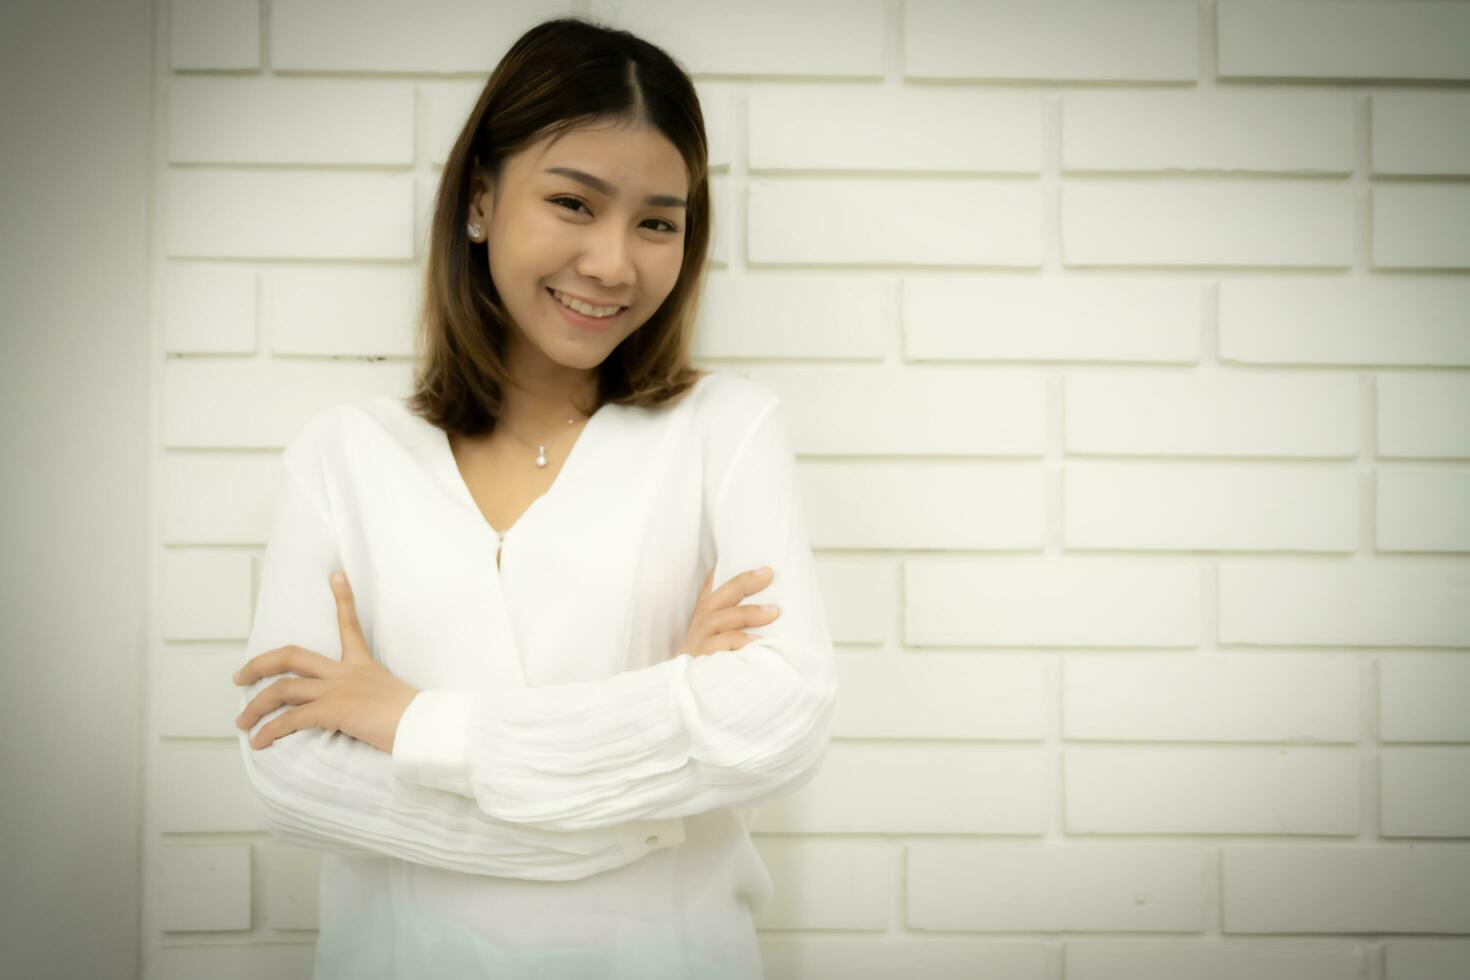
608, 190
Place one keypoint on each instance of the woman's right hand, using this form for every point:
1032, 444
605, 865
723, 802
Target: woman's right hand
719, 618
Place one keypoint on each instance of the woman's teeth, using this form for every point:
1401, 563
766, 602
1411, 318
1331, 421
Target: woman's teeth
583, 308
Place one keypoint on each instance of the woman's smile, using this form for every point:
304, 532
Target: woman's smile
595, 324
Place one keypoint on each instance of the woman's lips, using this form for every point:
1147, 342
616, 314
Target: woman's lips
582, 321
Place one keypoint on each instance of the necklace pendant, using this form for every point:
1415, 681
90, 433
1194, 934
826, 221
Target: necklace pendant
541, 456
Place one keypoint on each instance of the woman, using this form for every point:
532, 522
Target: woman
527, 739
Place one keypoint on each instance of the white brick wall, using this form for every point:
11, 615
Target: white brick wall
1126, 345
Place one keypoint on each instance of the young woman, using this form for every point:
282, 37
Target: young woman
527, 729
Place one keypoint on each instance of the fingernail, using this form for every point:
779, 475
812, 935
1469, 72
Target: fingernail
235, 677
765, 569
338, 578
769, 609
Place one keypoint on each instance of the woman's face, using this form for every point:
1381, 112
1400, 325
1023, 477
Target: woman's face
607, 244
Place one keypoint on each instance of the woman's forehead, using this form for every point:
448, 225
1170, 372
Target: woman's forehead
641, 158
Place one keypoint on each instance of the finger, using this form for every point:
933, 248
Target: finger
754, 614
742, 585
290, 657
721, 642
280, 726
743, 616
346, 604
287, 690
704, 592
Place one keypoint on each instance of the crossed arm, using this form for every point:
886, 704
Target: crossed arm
559, 781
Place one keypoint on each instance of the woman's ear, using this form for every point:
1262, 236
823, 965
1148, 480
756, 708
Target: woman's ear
482, 199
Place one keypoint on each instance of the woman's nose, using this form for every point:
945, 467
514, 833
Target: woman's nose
607, 258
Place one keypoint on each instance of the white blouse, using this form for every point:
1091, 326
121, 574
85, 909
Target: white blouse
565, 797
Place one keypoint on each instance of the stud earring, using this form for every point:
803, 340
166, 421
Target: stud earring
474, 231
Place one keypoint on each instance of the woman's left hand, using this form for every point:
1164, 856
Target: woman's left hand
355, 695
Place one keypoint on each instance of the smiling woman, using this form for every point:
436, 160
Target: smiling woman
576, 277
525, 737
581, 172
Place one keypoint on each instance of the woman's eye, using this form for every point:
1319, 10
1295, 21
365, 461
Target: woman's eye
558, 200
576, 203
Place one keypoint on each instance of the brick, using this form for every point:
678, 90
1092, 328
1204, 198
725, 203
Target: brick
1210, 507
1422, 509
1347, 889
722, 201
288, 214
1424, 792
1331, 603
369, 311
715, 106
859, 597
1421, 227
925, 505
1205, 697
945, 789
291, 886
447, 107
1432, 959
947, 696
203, 887
304, 122
902, 221
1050, 888
1023, 318
1051, 602
193, 695
835, 38
214, 35
885, 958
208, 310
796, 316
1207, 130
1423, 415
203, 788
440, 36
1420, 133
1352, 39
1179, 790
238, 961
1423, 698
802, 127
1184, 222
205, 595
1331, 320
1077, 40
843, 884
217, 498
261, 404
941, 412
1103, 959
1215, 414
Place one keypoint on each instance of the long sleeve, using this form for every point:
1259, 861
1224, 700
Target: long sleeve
686, 735
328, 791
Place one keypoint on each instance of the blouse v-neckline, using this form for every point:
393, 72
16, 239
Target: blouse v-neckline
451, 470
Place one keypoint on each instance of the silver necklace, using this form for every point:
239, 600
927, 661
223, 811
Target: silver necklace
540, 448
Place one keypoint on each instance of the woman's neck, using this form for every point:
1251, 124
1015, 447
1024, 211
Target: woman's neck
542, 405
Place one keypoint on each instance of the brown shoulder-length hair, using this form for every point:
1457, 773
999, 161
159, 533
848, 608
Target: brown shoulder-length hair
560, 74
